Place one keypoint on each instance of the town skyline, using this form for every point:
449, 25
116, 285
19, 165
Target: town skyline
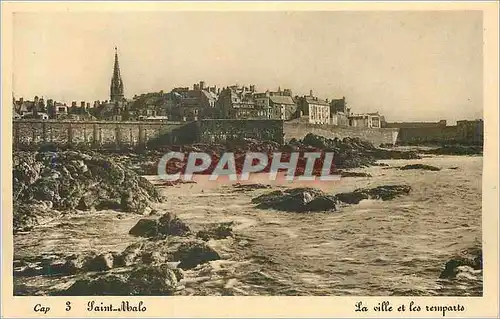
397, 84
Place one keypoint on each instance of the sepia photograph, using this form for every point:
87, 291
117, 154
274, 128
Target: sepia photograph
247, 153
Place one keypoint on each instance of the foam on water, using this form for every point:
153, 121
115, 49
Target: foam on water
395, 247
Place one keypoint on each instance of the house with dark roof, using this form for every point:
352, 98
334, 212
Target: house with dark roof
314, 109
238, 102
279, 105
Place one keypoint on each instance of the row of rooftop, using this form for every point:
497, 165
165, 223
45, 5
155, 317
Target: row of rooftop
203, 102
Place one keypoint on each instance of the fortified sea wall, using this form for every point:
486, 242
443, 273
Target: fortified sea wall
376, 136
89, 133
100, 134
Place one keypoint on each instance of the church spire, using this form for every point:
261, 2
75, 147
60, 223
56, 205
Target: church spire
116, 81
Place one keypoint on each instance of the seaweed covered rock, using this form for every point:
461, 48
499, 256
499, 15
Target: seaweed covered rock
386, 192
75, 180
167, 225
420, 166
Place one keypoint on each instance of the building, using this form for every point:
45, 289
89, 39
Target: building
110, 111
317, 111
237, 102
278, 105
339, 112
180, 104
35, 109
198, 103
370, 120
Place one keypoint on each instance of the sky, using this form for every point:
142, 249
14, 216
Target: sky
409, 66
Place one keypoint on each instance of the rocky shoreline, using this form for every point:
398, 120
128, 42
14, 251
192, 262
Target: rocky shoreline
49, 184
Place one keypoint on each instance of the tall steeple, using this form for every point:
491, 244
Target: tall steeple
116, 81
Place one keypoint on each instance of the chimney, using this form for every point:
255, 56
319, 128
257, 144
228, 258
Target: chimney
21, 100
88, 105
202, 85
310, 92
252, 88
73, 104
218, 91
82, 104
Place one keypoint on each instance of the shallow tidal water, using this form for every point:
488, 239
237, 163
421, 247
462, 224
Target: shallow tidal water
376, 248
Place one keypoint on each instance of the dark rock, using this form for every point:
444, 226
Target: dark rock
386, 192
152, 257
472, 258
179, 273
354, 174
69, 180
322, 203
292, 200
313, 200
109, 285
420, 166
102, 262
217, 231
354, 152
77, 263
145, 228
166, 225
155, 280
192, 253
456, 150
129, 256
169, 224
250, 187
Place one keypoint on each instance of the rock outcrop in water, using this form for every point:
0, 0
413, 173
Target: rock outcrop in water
150, 280
469, 261
456, 150
166, 225
313, 200
386, 192
349, 153
216, 231
354, 174
420, 166
74, 180
148, 267
295, 199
